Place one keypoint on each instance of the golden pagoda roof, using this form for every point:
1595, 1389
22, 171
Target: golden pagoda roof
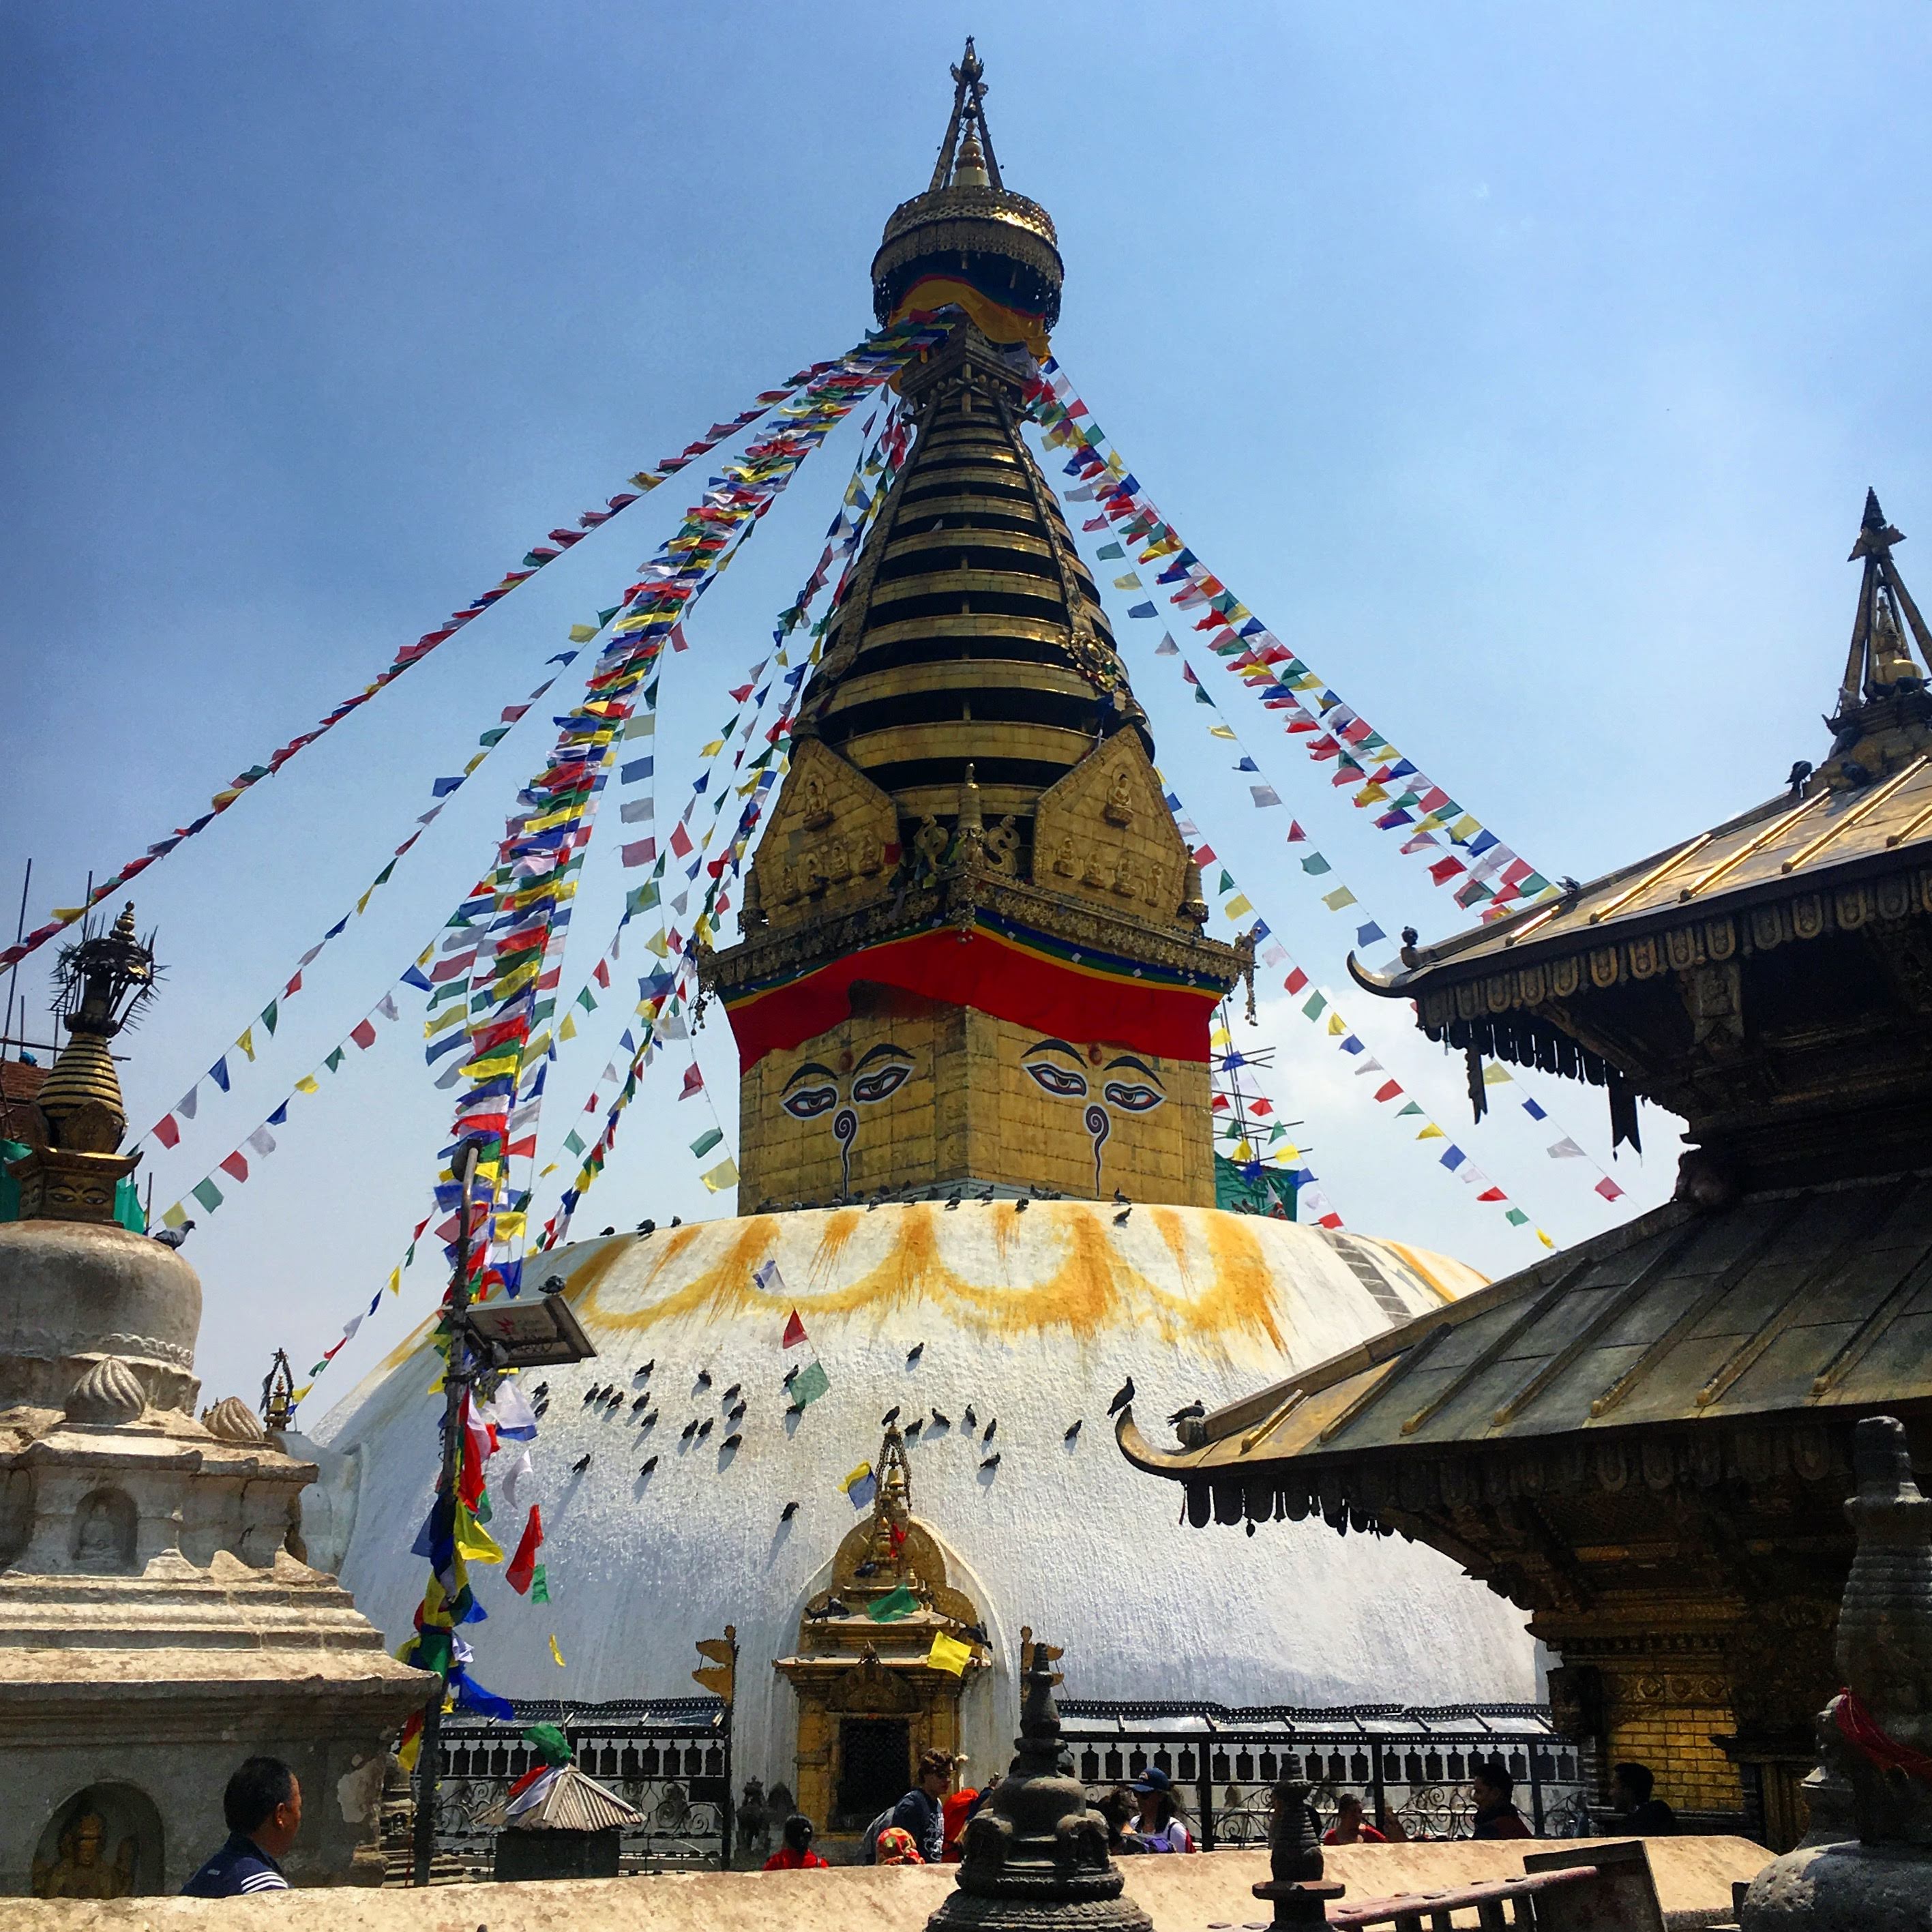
1863, 815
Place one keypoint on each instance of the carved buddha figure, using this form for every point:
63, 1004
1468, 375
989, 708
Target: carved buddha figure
81, 1871
1119, 808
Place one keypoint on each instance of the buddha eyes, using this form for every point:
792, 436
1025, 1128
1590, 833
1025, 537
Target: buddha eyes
871, 1087
808, 1102
1061, 1082
1134, 1098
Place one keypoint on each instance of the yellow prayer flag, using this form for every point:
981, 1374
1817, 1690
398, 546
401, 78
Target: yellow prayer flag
473, 1541
68, 914
307, 1084
362, 903
395, 1281
724, 1174
569, 1029
948, 1653
1431, 1133
712, 750
1237, 906
1544, 1239
1243, 1151
1494, 1075
247, 1042
582, 634
556, 1655
857, 1475
509, 1226
1220, 731
1337, 1025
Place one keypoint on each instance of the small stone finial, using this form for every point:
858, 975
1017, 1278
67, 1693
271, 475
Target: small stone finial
1036, 1850
107, 1395
971, 823
231, 1420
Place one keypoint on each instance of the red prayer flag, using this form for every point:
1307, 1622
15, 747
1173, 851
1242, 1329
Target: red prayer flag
167, 1131
680, 841
1608, 1190
1296, 980
1295, 834
794, 1331
236, 1165
523, 1565
693, 1081
1444, 870
1491, 1194
1388, 1090
363, 1034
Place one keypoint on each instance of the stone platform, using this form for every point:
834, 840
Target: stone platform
1181, 1895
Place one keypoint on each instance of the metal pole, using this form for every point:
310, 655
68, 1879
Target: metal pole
455, 1385
13, 971
1535, 1787
1206, 1788
724, 1846
1378, 1783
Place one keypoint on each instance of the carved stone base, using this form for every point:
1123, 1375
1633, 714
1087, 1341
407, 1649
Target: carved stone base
1847, 1888
965, 1909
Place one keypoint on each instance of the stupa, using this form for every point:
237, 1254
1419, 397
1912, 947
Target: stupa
972, 1000
1645, 1440
154, 1629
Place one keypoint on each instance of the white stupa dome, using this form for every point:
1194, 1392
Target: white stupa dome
1030, 1319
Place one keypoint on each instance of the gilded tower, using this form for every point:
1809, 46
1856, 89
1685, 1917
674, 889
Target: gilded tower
973, 951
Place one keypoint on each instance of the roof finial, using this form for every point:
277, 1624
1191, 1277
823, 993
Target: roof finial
976, 167
1880, 660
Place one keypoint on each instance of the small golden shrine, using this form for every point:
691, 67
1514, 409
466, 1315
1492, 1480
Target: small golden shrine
870, 1700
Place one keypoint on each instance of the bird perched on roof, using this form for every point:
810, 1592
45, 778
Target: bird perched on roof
952, 1199
608, 1231
551, 1284
730, 1392
791, 1375
736, 1415
649, 1421
1123, 1396
891, 1416
645, 1368
913, 1427
677, 1220
1193, 1409
731, 1442
977, 1632
969, 1420
990, 1427
590, 1395
831, 1607
689, 1430
1072, 1429
650, 1462
1022, 1204
647, 1226
642, 1402
704, 1378
992, 1462
542, 1388
582, 1463
1120, 1219
1800, 771
172, 1238
790, 1510
941, 1420
1120, 1199
704, 1428
987, 1196
913, 1354
794, 1408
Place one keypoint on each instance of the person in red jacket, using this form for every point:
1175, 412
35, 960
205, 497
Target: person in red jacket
1494, 1790
1350, 1827
796, 1854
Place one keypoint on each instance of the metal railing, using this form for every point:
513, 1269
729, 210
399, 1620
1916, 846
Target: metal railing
666, 1756
1410, 1766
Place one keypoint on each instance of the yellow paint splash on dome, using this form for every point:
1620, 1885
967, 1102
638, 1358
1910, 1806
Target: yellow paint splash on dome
1091, 1286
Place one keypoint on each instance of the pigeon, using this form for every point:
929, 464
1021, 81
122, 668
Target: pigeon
730, 1393
590, 1395
650, 1463
1022, 1204
649, 1421
1195, 1408
913, 1427
609, 1231
1120, 1199
677, 1220
642, 1402
987, 1196
738, 1413
551, 1284
790, 1510
1072, 1429
704, 1429
1123, 1396
731, 1442
891, 1416
172, 1238
542, 1388
952, 1201
645, 1368
689, 1430
992, 1462
977, 1632
795, 1409
941, 1420
791, 1375
868, 1568
647, 1227
831, 1607
704, 1378
1120, 1219
582, 1463
969, 1419
615, 1399
990, 1427
913, 1354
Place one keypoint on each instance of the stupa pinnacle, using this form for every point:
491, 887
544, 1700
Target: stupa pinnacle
973, 951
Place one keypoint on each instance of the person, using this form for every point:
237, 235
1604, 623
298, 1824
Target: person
263, 1804
1118, 1808
1494, 1790
895, 1847
1350, 1827
795, 1854
957, 1806
1631, 1787
921, 1813
1158, 1828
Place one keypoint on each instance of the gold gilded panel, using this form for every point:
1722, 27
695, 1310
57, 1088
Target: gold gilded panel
831, 843
1104, 832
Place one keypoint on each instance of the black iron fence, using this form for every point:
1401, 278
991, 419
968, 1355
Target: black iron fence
665, 1756
1411, 1767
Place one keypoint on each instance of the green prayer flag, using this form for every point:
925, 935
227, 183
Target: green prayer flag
1316, 1003
270, 1014
1515, 1217
890, 1608
334, 1060
809, 1384
706, 1141
539, 1585
1410, 1108
642, 898
1227, 884
1110, 551
1316, 864
494, 736
584, 1000
207, 1194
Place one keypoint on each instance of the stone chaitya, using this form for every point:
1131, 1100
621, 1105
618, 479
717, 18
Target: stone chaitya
1644, 1440
154, 1630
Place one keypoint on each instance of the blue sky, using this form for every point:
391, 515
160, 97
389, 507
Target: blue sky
1523, 367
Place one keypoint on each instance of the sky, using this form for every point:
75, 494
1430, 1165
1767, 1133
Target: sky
1524, 367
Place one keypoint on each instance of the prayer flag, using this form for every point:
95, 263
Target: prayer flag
948, 1653
556, 1655
724, 1175
523, 1565
809, 1384
893, 1607
794, 1328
